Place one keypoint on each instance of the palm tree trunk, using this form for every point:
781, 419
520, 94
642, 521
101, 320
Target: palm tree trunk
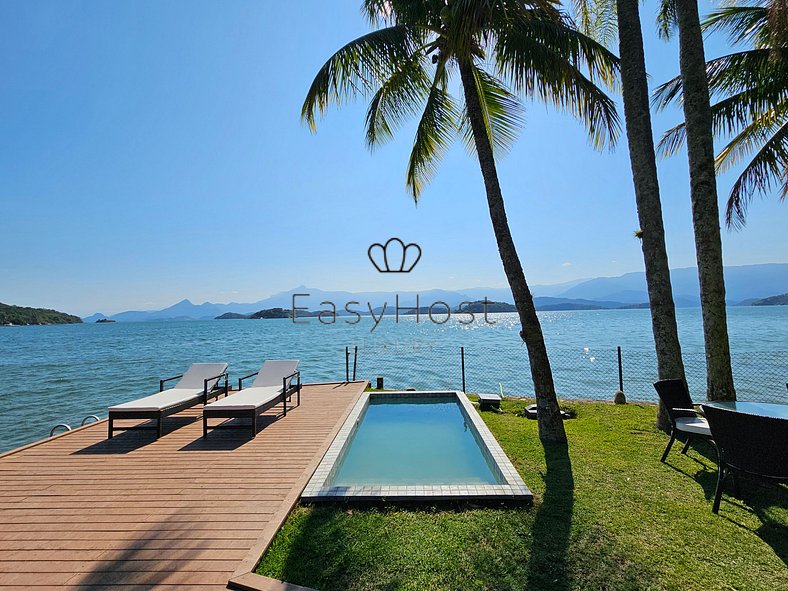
644, 174
703, 194
551, 426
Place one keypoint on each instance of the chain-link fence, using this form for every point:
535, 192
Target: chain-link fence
581, 374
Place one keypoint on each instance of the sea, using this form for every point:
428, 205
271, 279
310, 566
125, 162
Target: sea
65, 373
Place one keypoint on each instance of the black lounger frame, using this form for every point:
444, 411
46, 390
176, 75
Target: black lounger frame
158, 415
252, 414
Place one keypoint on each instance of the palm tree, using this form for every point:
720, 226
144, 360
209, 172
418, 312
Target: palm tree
405, 66
703, 193
603, 18
753, 86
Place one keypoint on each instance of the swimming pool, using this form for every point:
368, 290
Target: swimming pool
415, 445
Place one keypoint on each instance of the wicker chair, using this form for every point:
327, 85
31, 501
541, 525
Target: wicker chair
750, 444
686, 422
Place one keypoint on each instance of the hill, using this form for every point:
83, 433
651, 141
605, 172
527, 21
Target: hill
18, 315
741, 282
778, 300
744, 284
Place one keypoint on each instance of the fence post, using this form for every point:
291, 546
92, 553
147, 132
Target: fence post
347, 364
462, 357
355, 360
620, 371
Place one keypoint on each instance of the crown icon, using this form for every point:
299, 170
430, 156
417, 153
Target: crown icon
395, 256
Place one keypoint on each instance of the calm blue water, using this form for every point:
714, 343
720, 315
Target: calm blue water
62, 373
425, 441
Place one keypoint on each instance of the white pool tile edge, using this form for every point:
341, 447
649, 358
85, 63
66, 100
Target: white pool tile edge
513, 489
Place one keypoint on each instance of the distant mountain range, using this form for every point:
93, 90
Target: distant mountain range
744, 284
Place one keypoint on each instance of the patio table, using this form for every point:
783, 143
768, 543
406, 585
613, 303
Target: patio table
763, 409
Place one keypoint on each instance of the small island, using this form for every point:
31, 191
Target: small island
21, 316
490, 307
104, 321
267, 314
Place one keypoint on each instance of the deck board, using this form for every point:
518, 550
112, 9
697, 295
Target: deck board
79, 511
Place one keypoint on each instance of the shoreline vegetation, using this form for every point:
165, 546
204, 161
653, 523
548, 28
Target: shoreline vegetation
21, 316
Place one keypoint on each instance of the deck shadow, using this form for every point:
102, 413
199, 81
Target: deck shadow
127, 564
230, 439
126, 441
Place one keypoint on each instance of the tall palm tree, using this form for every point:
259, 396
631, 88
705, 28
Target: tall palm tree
405, 67
753, 89
606, 19
703, 194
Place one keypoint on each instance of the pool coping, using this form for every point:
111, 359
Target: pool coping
513, 489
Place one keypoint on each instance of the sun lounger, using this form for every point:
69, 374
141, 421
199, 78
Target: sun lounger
200, 382
274, 384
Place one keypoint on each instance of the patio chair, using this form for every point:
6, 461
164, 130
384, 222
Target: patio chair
686, 422
197, 385
274, 384
747, 443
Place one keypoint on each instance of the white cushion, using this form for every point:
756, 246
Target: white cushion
697, 425
160, 401
274, 371
196, 375
248, 399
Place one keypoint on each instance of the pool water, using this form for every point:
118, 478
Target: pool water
414, 441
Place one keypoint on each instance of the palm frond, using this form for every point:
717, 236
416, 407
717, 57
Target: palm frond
359, 67
731, 114
733, 73
736, 71
748, 106
544, 60
742, 23
666, 19
597, 19
502, 112
672, 140
666, 93
391, 12
759, 132
767, 168
398, 98
436, 130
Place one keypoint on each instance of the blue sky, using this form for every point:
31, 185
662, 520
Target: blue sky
153, 151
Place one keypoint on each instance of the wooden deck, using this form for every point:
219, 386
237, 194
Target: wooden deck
79, 511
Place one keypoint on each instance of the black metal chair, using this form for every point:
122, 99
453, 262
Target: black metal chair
750, 444
686, 422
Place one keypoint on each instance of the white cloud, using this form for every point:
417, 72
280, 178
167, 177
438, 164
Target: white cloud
566, 264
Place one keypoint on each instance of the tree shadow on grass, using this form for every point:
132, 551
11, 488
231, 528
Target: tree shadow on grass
454, 546
548, 567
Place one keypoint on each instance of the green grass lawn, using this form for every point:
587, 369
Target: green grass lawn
606, 515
